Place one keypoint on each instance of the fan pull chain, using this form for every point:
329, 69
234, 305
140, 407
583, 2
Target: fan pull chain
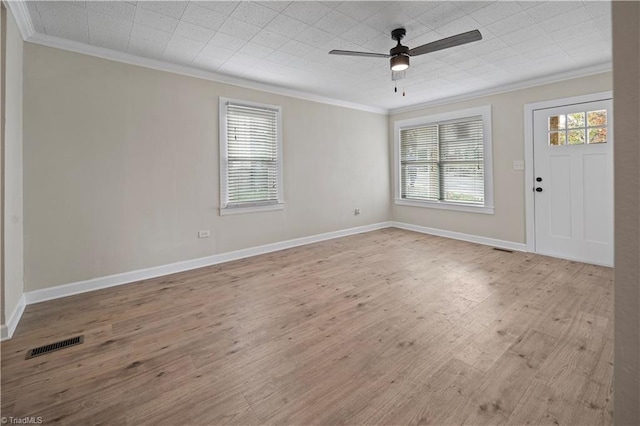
395, 89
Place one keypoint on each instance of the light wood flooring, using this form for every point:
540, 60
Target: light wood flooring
388, 327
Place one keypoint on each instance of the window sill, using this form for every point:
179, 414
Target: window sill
445, 206
251, 209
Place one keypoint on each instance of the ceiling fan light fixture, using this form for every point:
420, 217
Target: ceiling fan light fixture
399, 63
400, 54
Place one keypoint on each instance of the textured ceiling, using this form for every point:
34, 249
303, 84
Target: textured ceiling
286, 43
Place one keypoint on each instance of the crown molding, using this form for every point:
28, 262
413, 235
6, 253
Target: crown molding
127, 58
525, 84
20, 13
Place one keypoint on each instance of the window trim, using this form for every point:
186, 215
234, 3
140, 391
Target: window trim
482, 111
248, 207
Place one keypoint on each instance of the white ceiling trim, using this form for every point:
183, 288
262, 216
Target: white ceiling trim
127, 58
555, 78
21, 15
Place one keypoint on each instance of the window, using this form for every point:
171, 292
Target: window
250, 157
444, 161
574, 129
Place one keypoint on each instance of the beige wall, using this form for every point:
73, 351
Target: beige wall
121, 169
508, 221
12, 170
626, 86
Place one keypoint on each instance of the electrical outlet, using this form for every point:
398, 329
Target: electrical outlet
518, 165
204, 234
357, 212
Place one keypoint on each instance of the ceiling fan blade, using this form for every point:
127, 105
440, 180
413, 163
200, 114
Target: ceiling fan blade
352, 53
446, 43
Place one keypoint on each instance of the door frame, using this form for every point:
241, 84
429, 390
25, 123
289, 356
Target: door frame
529, 109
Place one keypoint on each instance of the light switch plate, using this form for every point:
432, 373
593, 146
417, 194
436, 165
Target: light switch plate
518, 165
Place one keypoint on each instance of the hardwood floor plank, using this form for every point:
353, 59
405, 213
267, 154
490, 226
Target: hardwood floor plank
541, 405
114, 398
509, 378
385, 327
595, 405
450, 386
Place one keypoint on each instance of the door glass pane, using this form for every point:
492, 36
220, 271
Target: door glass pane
597, 118
576, 137
598, 135
557, 122
557, 138
575, 120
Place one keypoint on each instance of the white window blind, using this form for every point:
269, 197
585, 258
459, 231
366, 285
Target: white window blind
443, 162
252, 150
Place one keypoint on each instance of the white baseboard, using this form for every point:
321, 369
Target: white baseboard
71, 289
6, 331
509, 245
65, 290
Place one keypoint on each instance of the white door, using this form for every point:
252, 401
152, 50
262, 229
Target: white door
573, 173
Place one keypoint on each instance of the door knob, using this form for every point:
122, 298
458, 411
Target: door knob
538, 189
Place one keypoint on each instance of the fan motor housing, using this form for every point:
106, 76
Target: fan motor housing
399, 54
399, 50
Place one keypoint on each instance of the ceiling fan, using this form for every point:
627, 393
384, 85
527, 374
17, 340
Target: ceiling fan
400, 54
